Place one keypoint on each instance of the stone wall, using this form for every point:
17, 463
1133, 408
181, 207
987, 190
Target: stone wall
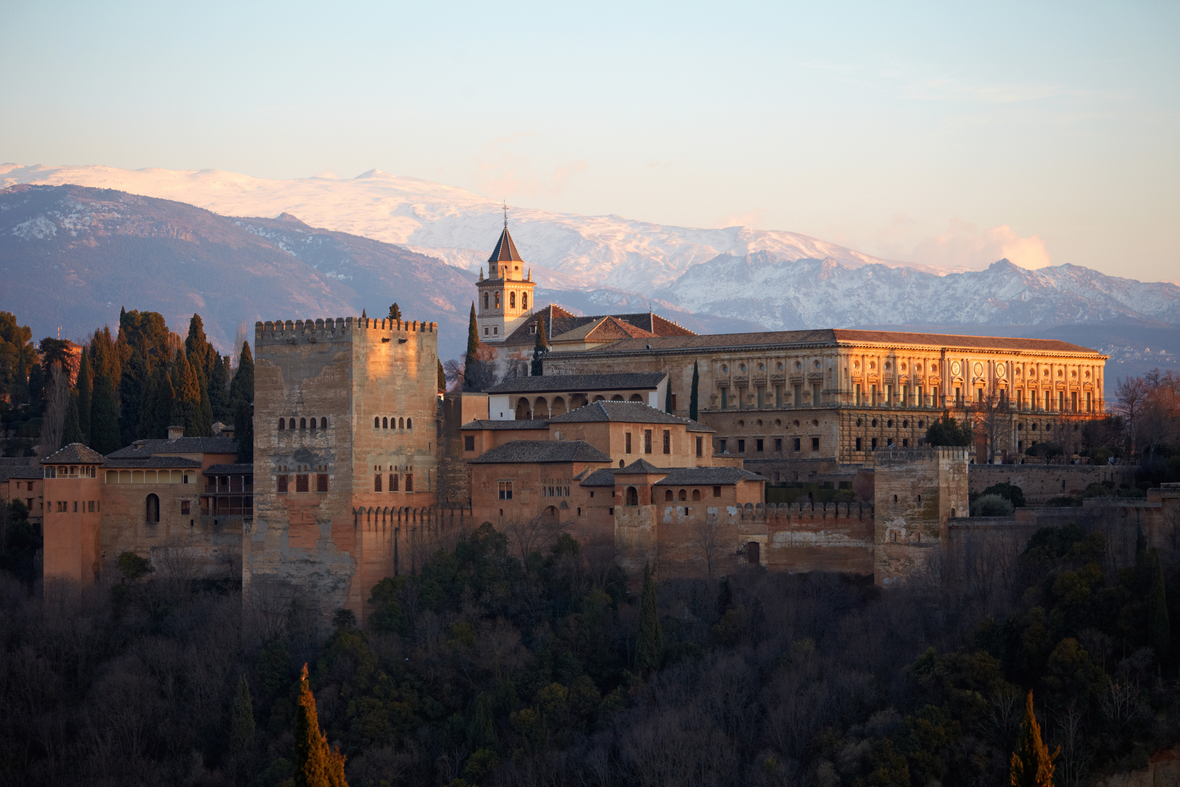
1042, 482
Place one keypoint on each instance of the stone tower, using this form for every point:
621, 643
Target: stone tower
506, 295
345, 416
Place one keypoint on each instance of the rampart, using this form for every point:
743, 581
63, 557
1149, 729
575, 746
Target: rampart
1040, 483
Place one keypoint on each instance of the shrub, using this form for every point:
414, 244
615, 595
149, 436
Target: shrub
1010, 492
992, 505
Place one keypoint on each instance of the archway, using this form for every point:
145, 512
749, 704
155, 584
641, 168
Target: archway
617, 398
153, 509
636, 398
632, 496
523, 411
549, 515
576, 401
540, 408
558, 406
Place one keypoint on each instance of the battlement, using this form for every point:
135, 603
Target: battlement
934, 454
798, 513
338, 329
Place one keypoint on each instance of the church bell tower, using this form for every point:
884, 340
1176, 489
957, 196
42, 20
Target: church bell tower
506, 295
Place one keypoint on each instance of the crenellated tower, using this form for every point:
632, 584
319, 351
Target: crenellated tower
506, 296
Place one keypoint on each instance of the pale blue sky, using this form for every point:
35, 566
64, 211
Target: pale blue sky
938, 133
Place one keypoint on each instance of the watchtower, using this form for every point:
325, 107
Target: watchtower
506, 295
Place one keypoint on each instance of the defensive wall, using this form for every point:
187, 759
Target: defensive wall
1040, 482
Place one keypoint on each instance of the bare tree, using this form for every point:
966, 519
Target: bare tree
706, 537
532, 534
1131, 393
1076, 751
992, 422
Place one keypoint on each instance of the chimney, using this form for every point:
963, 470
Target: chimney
175, 432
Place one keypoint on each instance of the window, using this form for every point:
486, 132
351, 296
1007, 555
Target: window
778, 444
647, 441
741, 449
323, 423
497, 300
724, 399
758, 445
301, 482
184, 507
905, 443
721, 446
700, 446
684, 495
505, 490
384, 423
409, 482
524, 300
409, 423
716, 491
282, 424
302, 423
376, 423
313, 423
873, 445
795, 444
469, 442
696, 495
668, 495
667, 441
632, 496
512, 300
321, 482
290, 423
627, 442
485, 306
858, 444
485, 330
152, 504
281, 485
393, 482
815, 444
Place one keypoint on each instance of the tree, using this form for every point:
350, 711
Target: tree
186, 406
71, 432
241, 726
1031, 765
1158, 624
55, 351
442, 377
83, 387
244, 431
471, 359
316, 764
694, 396
395, 312
650, 648
1131, 394
133, 384
242, 387
540, 347
668, 398
219, 389
57, 402
104, 423
948, 431
993, 422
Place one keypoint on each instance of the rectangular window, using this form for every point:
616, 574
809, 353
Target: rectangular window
796, 443
920, 401
647, 441
716, 491
321, 482
761, 404
301, 482
724, 399
873, 445
741, 446
469, 442
858, 393
958, 396
815, 444
410, 482
282, 485
778, 445
377, 483
721, 446
905, 443
505, 490
183, 507
934, 397
816, 395
75, 506
858, 448
778, 396
393, 482
758, 445
798, 391
700, 446
627, 442
667, 441
1061, 401
1089, 409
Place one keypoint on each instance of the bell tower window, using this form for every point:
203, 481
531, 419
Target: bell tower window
524, 300
485, 301
497, 300
512, 300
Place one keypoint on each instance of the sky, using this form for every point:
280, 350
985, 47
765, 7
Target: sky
941, 134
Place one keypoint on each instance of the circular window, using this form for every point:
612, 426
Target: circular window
817, 364
760, 422
1001, 371
1087, 374
742, 368
1020, 427
874, 422
724, 369
741, 422
872, 365
887, 366
1048, 427
762, 367
1073, 374
921, 424
889, 423
780, 367
798, 365
1033, 428
1059, 373
903, 367
956, 368
796, 423
815, 423
856, 364
905, 424
978, 368
858, 421
778, 422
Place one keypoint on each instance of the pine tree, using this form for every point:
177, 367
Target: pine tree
1158, 624
693, 413
471, 360
649, 650
316, 764
1032, 765
84, 389
71, 432
219, 390
540, 347
395, 312
104, 421
241, 389
241, 726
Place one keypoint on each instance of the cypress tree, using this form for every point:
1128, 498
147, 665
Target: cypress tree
395, 312
71, 432
104, 423
540, 347
650, 648
242, 387
244, 431
442, 376
316, 764
1031, 765
206, 424
84, 389
472, 358
668, 398
186, 407
19, 388
37, 380
219, 390
481, 732
1158, 624
692, 399
164, 404
241, 726
199, 351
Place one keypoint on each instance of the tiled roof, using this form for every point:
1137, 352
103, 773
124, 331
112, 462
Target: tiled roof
574, 383
20, 472
603, 329
824, 336
542, 452
625, 412
707, 476
75, 454
503, 426
639, 467
152, 463
182, 445
505, 250
603, 477
238, 469
559, 321
17, 461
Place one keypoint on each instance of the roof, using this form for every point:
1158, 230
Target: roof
625, 412
559, 322
707, 476
501, 426
152, 462
825, 336
182, 445
628, 381
505, 250
603, 477
640, 467
22, 472
75, 454
238, 469
542, 452
603, 329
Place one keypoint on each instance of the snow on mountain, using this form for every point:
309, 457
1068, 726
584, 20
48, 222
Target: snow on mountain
567, 250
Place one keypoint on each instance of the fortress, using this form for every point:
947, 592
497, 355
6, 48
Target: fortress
362, 467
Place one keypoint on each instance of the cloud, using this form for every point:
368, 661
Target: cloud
751, 218
501, 173
965, 246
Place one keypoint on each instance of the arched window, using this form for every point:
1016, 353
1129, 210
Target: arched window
401, 423
323, 423
377, 483
512, 299
376, 422
497, 300
313, 423
683, 494
409, 423
524, 300
384, 423
302, 423
696, 495
485, 301
153, 509
282, 424
290, 423
668, 496
632, 496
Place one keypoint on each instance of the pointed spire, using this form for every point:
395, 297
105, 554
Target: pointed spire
505, 214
